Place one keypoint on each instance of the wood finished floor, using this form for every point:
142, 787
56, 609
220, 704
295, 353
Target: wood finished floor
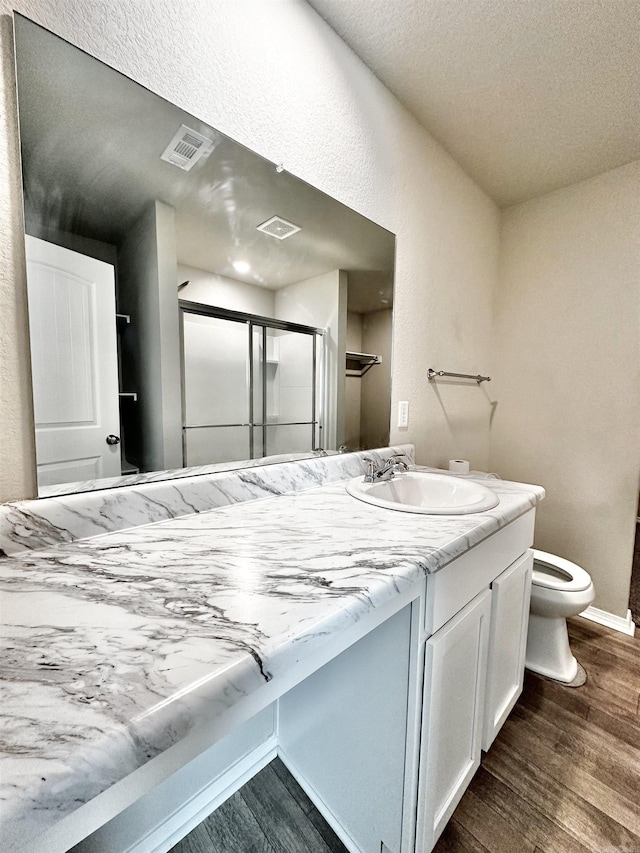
563, 776
270, 814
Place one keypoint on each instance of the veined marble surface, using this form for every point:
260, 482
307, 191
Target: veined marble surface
40, 523
116, 647
174, 474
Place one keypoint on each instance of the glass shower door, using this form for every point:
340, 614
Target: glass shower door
289, 388
252, 387
216, 378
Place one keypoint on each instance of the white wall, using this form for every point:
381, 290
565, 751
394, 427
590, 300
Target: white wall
213, 289
353, 385
567, 370
376, 383
354, 332
322, 302
83, 245
367, 405
277, 79
446, 271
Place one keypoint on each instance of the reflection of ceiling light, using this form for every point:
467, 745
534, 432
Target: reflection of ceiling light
241, 266
278, 228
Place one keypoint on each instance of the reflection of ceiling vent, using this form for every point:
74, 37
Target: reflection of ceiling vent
279, 228
186, 148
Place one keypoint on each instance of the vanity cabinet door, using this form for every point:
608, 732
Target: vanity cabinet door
453, 706
510, 595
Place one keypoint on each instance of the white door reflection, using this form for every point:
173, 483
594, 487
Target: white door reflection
72, 320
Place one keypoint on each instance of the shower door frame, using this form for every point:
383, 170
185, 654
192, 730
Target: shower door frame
253, 321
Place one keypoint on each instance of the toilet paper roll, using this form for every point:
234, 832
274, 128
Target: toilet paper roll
459, 466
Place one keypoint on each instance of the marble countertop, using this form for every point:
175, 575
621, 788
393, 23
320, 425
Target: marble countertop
117, 646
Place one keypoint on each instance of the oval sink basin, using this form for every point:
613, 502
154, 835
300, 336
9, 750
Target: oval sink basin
432, 494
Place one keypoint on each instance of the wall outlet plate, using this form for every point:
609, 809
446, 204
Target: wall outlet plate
403, 414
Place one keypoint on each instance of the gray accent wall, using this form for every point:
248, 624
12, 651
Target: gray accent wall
151, 342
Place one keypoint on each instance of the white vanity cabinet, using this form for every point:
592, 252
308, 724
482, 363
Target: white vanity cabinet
476, 617
452, 713
510, 596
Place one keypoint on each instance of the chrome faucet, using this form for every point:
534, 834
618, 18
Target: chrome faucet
386, 470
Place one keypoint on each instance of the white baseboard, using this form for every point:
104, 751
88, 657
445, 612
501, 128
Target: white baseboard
167, 834
603, 617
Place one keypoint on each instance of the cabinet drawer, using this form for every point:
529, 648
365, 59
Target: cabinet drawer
452, 587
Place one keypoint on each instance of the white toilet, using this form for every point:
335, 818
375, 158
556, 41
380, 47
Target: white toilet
559, 589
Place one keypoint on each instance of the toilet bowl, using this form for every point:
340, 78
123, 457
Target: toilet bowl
559, 589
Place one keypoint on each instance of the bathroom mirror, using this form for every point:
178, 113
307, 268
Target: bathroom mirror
192, 305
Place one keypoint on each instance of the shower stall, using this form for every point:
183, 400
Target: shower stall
251, 386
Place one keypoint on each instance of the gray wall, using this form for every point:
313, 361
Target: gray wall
151, 343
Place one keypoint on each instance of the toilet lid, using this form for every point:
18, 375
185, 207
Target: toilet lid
555, 572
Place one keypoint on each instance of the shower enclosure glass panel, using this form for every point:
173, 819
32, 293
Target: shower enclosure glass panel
252, 386
289, 392
290, 395
204, 445
215, 403
287, 438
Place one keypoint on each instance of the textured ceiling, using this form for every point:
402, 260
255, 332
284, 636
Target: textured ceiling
527, 95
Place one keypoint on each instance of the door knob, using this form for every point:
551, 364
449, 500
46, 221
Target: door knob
113, 439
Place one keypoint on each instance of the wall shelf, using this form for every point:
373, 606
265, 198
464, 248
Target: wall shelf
358, 363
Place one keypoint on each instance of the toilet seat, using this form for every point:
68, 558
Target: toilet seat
553, 572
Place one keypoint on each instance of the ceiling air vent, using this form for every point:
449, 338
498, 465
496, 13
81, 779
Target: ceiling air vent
278, 228
186, 148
